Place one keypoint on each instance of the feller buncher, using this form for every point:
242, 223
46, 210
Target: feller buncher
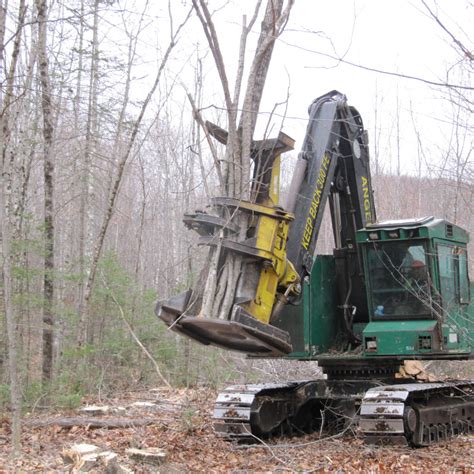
391, 291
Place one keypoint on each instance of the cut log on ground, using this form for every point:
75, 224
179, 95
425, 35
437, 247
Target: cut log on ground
87, 457
81, 457
154, 456
94, 410
95, 423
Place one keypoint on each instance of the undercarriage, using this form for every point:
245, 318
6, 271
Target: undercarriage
377, 407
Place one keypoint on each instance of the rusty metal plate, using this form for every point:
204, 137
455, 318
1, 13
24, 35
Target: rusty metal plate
385, 409
240, 398
231, 413
382, 425
381, 394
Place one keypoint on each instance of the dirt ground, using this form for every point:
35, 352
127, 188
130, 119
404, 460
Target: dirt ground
182, 427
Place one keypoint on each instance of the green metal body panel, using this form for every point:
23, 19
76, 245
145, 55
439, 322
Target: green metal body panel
398, 337
320, 323
427, 228
395, 338
316, 325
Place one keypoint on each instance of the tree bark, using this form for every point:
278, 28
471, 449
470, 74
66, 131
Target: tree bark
91, 128
12, 333
94, 422
48, 175
223, 277
7, 224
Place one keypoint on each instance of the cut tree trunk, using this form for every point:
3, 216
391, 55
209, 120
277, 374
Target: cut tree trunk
110, 423
225, 268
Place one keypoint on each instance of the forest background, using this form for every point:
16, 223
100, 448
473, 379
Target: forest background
101, 158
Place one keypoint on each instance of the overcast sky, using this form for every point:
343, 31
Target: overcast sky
397, 36
394, 36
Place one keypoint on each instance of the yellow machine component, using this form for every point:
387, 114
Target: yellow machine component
256, 232
278, 272
271, 236
274, 189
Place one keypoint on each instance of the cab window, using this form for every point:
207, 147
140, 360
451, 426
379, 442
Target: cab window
399, 280
463, 277
453, 275
447, 281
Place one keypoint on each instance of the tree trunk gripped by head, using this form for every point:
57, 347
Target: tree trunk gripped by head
224, 272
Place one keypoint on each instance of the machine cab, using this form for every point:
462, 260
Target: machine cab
418, 290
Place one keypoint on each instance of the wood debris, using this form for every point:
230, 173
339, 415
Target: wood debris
95, 410
86, 457
199, 450
143, 405
81, 457
149, 455
415, 369
110, 423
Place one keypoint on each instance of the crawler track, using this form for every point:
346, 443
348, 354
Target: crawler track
242, 412
415, 414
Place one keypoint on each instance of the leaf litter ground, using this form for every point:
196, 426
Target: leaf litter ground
182, 426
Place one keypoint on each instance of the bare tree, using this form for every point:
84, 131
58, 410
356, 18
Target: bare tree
6, 206
117, 180
89, 149
48, 174
235, 172
456, 163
